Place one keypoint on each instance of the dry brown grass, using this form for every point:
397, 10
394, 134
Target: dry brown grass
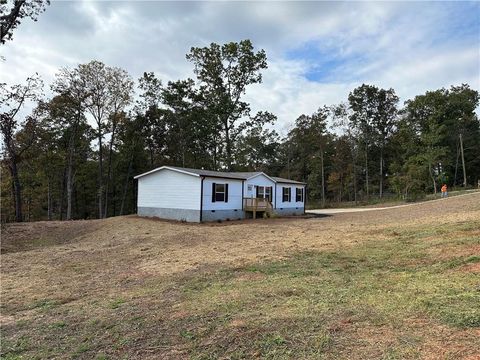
137, 287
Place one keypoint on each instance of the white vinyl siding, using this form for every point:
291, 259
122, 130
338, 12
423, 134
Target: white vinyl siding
292, 203
250, 189
169, 189
234, 194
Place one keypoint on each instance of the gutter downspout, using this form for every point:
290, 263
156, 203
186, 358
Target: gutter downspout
243, 188
201, 198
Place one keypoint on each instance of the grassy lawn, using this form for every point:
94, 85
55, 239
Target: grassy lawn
326, 305
413, 293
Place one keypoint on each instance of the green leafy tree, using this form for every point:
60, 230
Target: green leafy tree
109, 91
224, 73
150, 116
18, 135
132, 159
425, 115
463, 132
341, 115
374, 112
66, 111
179, 97
341, 174
120, 88
257, 149
308, 144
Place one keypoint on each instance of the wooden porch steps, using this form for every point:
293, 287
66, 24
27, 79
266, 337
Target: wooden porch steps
255, 205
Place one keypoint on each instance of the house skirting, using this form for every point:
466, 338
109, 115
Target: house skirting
171, 214
207, 215
289, 211
215, 215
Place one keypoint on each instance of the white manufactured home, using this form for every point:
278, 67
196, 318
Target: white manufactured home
195, 195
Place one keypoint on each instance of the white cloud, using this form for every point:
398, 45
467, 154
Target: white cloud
407, 46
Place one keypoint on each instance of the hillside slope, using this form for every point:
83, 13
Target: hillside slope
394, 284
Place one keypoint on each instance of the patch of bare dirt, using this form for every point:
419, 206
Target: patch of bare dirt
28, 236
420, 338
471, 268
455, 251
443, 343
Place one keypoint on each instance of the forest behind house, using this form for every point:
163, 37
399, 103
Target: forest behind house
75, 154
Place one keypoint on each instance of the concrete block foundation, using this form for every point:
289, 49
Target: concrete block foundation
171, 214
215, 215
289, 211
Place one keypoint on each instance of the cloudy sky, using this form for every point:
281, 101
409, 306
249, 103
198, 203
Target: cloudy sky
317, 51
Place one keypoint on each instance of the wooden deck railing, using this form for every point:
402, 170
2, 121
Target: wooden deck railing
257, 204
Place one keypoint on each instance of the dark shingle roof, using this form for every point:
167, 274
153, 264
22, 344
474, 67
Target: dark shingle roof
201, 172
283, 180
222, 174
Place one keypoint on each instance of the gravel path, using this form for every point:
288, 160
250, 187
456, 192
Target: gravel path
362, 209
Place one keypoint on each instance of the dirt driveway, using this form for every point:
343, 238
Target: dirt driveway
363, 209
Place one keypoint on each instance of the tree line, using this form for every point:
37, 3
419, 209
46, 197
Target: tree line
75, 154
